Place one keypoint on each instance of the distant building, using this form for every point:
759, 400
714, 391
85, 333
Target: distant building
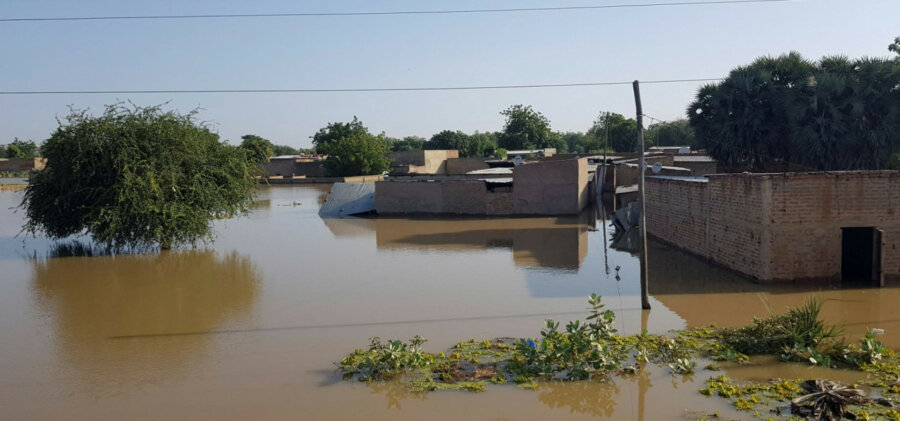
785, 226
289, 166
529, 153
698, 164
421, 162
22, 164
540, 188
671, 150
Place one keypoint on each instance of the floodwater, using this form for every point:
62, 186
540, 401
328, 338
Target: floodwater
250, 326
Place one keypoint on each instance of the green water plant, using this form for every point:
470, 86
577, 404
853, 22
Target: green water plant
593, 349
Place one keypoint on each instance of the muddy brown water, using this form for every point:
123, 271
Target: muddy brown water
250, 327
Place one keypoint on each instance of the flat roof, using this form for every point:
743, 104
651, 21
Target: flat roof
694, 179
694, 158
495, 170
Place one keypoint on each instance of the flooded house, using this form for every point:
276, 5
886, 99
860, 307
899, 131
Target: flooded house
558, 187
434, 162
304, 169
784, 226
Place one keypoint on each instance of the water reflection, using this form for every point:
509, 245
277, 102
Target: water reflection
585, 397
95, 300
552, 243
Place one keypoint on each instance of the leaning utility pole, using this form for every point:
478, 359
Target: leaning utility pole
642, 166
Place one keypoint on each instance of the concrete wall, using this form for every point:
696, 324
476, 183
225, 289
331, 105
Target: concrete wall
289, 167
22, 164
614, 177
422, 162
458, 166
777, 227
699, 167
550, 188
627, 174
546, 188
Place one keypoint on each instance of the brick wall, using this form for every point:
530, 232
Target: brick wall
699, 167
809, 210
777, 227
720, 219
737, 230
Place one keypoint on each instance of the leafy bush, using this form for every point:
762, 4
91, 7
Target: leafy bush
358, 154
136, 177
384, 360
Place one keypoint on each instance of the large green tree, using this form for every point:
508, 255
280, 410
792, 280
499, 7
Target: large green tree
526, 128
582, 143
356, 154
787, 112
480, 145
622, 132
338, 130
19, 149
408, 143
136, 177
671, 133
282, 150
447, 139
258, 149
895, 47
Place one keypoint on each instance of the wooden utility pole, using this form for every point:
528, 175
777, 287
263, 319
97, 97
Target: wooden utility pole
642, 167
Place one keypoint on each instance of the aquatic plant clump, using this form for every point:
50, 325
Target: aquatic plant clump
591, 349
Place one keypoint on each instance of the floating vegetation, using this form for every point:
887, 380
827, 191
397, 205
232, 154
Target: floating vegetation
12, 187
592, 349
15, 174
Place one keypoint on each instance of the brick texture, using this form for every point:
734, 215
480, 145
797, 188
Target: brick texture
777, 227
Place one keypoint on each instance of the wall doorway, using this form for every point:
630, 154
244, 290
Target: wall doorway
861, 257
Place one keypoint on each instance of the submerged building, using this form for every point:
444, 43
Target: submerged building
558, 187
787, 226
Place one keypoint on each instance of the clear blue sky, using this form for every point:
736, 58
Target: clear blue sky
397, 51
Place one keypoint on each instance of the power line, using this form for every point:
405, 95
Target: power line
335, 90
387, 13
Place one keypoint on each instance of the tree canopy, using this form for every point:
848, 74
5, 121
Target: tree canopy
352, 150
357, 154
136, 177
447, 139
895, 47
408, 143
833, 114
281, 150
671, 133
257, 148
622, 132
338, 130
19, 149
526, 128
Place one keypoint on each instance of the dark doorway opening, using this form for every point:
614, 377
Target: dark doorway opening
861, 255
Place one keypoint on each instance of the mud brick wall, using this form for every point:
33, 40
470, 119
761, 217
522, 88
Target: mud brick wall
777, 227
676, 212
738, 231
721, 220
809, 210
